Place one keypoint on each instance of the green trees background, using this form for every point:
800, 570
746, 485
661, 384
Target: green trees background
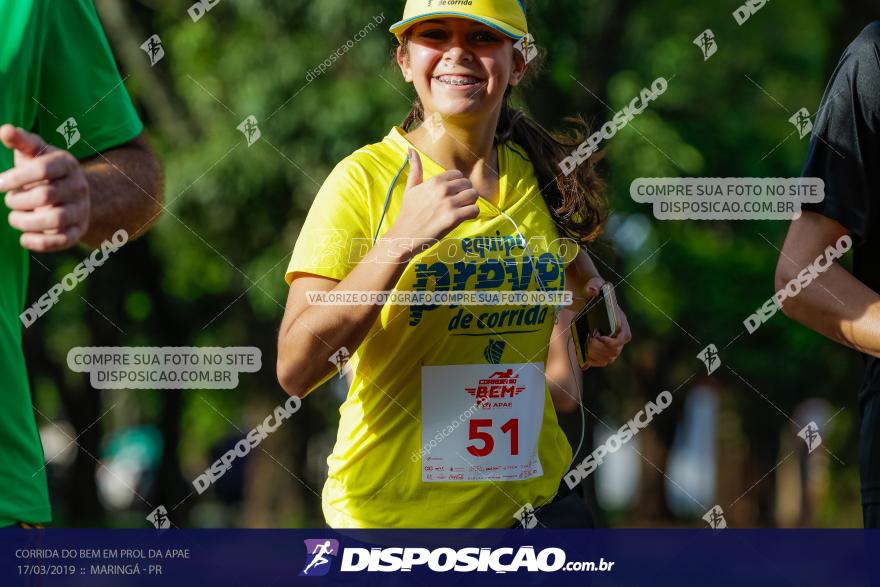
211, 271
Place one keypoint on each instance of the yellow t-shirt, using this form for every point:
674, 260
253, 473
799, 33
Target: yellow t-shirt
377, 466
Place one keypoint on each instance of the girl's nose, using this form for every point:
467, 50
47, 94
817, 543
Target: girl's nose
457, 53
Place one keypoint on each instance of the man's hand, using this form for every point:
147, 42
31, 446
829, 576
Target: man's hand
47, 192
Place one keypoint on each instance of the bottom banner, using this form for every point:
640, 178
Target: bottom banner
213, 558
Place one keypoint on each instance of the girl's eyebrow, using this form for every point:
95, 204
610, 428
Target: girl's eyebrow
473, 25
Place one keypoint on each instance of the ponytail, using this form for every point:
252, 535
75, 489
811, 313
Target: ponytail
576, 201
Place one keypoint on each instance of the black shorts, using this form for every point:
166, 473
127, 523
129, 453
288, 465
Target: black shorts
567, 510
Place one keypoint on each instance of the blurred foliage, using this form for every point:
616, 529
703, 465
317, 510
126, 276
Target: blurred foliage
211, 272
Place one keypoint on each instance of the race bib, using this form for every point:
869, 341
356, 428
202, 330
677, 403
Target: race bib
481, 422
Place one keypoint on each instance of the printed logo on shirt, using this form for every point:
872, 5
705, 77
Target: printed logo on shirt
494, 350
490, 262
497, 390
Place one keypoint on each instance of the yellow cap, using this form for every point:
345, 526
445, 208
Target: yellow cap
506, 16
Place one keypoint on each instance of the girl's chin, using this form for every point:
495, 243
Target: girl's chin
451, 108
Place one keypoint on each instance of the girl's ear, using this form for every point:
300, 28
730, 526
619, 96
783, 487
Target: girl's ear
403, 63
519, 67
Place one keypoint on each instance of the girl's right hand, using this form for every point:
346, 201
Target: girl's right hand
432, 209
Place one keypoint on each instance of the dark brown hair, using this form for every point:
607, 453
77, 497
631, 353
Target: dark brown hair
576, 201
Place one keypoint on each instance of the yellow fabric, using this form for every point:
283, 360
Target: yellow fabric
507, 16
375, 470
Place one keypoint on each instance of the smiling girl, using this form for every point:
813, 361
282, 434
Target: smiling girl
449, 421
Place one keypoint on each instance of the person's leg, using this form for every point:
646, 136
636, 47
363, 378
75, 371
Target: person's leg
568, 509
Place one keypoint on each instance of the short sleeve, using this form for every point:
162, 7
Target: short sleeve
844, 150
79, 80
336, 232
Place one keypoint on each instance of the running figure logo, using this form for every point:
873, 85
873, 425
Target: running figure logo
710, 358
340, 359
435, 127
706, 43
250, 130
69, 129
526, 517
715, 518
497, 390
317, 553
526, 45
159, 518
801, 121
810, 434
153, 48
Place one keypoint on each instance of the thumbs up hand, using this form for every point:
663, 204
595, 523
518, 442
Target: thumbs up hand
47, 192
432, 209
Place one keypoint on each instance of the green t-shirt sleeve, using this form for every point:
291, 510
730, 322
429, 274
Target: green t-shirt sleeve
336, 232
79, 80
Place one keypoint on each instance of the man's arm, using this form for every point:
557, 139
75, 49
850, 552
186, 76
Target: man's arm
836, 304
56, 201
127, 191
